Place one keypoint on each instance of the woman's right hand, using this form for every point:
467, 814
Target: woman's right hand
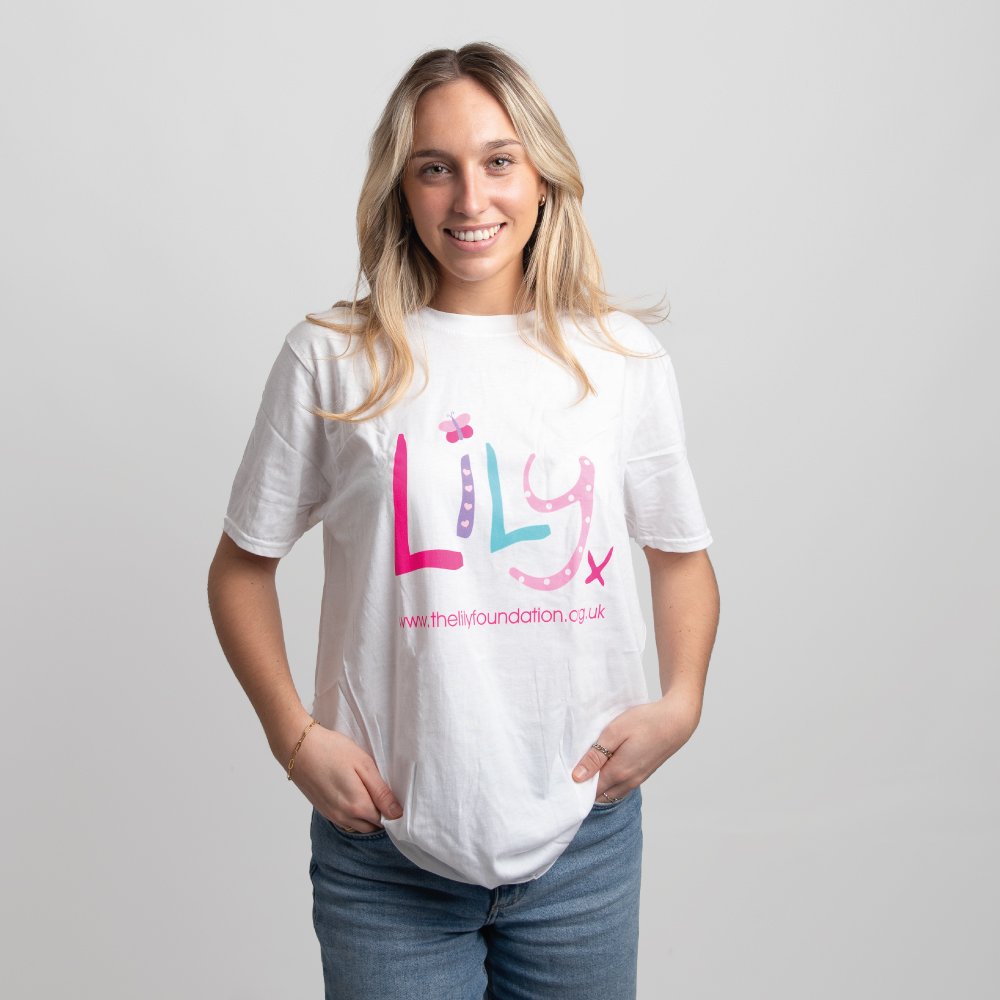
342, 781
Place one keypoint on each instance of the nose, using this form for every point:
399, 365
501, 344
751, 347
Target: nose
470, 193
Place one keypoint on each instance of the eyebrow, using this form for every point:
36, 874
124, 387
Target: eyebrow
486, 148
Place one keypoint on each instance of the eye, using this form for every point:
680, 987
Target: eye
438, 169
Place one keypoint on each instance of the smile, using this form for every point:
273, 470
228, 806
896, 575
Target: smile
477, 238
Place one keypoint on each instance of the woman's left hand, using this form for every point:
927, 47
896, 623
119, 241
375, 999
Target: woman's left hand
641, 739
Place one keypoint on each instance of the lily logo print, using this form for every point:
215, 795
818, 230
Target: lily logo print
581, 494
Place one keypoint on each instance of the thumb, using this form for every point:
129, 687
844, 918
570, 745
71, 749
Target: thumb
591, 762
380, 792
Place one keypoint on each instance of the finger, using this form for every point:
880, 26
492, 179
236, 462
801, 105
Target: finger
612, 792
354, 825
591, 762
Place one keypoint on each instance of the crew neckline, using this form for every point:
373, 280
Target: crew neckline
469, 324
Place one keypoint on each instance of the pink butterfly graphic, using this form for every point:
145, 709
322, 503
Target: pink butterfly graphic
457, 427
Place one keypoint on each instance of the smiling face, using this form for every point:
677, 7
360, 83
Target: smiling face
473, 195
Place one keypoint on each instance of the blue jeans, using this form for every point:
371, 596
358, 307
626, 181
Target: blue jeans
390, 929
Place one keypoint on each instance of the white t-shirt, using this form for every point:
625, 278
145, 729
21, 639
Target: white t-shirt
480, 623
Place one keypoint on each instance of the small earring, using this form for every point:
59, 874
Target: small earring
542, 202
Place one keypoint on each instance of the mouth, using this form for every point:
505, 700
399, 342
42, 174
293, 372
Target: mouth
477, 238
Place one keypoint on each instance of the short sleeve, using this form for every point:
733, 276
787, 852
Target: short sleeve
662, 506
280, 488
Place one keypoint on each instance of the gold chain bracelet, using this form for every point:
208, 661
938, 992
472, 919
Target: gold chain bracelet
291, 763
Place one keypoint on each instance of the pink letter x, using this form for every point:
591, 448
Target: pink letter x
595, 570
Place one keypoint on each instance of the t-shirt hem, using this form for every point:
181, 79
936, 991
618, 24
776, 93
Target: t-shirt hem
256, 546
676, 544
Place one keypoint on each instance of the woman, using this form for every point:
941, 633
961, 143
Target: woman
479, 435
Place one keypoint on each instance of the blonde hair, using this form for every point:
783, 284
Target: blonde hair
562, 272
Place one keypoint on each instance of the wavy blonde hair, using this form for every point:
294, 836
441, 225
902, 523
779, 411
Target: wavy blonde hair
562, 272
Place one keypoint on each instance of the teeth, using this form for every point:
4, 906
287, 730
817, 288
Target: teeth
473, 235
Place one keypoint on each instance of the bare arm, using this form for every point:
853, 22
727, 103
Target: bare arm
243, 601
685, 597
338, 777
685, 619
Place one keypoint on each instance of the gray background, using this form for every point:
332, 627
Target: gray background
814, 187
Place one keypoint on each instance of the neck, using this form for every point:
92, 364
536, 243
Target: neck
473, 299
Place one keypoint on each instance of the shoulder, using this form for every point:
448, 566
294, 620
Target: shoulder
634, 334
631, 333
321, 336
